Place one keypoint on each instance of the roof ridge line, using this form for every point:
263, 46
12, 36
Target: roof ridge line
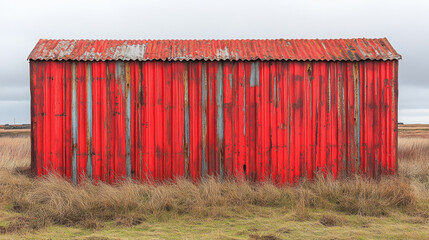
353, 49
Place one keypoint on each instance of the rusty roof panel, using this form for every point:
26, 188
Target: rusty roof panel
215, 50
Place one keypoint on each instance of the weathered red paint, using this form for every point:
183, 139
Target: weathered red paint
210, 50
260, 120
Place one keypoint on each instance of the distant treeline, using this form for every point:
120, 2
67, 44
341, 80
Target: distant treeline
16, 126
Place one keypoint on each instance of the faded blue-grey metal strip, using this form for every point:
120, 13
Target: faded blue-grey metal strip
74, 124
89, 113
219, 120
122, 74
128, 119
186, 86
203, 117
357, 93
254, 74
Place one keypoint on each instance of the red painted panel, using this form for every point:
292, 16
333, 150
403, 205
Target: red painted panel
81, 90
136, 103
100, 121
67, 133
278, 121
195, 135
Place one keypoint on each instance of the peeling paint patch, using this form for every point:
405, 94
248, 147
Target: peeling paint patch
254, 74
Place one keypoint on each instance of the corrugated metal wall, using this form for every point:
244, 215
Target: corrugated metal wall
260, 120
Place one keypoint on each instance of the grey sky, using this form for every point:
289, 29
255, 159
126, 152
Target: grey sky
23, 23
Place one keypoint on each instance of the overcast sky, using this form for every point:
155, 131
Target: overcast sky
404, 23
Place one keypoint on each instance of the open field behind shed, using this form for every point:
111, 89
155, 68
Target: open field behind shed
14, 132
414, 130
52, 208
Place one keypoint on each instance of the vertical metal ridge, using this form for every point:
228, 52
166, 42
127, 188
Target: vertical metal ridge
47, 120
139, 123
219, 117
109, 124
244, 102
203, 118
394, 108
74, 124
128, 119
288, 176
89, 165
343, 116
243, 148
186, 101
33, 159
357, 122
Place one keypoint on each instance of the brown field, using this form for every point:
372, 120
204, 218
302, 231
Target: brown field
414, 130
51, 208
15, 132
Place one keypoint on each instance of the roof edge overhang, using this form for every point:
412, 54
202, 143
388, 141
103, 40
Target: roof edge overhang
354, 49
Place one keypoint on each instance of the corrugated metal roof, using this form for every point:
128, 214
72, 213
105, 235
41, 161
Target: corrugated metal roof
215, 50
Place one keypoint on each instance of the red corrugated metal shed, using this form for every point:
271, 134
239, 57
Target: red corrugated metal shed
263, 110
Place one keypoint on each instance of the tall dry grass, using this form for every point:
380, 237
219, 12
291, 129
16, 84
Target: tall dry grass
413, 160
15, 152
53, 200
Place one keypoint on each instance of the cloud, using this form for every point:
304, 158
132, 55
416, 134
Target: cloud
404, 23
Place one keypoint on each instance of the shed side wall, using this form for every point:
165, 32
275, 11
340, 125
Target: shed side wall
278, 120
